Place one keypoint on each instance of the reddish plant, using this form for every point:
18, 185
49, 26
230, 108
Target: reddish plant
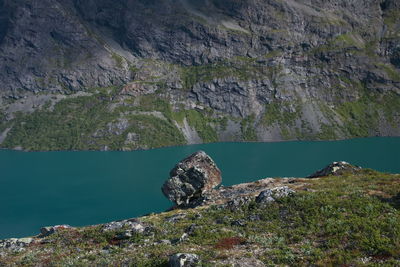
229, 242
114, 242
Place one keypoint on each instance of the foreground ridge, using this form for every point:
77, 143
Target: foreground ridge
348, 216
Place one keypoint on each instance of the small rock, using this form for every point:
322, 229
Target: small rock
237, 203
197, 216
175, 218
181, 239
254, 217
124, 235
184, 260
265, 197
130, 228
132, 225
270, 195
49, 230
242, 262
191, 229
222, 220
191, 178
336, 168
114, 226
164, 241
240, 223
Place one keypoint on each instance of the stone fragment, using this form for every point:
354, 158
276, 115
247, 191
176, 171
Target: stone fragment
336, 168
222, 220
175, 218
124, 235
240, 223
254, 217
131, 226
164, 242
191, 229
49, 230
270, 195
184, 260
191, 178
241, 262
237, 203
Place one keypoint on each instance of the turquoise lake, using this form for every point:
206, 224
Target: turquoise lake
82, 188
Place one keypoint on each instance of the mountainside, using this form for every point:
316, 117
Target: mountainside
131, 74
348, 218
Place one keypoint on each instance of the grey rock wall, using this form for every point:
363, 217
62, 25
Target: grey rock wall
235, 57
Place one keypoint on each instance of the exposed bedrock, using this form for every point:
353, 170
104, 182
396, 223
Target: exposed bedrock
250, 70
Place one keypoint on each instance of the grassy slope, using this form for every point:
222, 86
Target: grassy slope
348, 220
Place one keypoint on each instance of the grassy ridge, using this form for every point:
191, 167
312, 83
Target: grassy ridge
346, 220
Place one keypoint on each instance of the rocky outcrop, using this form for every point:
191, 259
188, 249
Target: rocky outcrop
15, 244
191, 178
184, 260
271, 195
337, 169
127, 228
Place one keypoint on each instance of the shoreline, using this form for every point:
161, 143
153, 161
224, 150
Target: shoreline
199, 144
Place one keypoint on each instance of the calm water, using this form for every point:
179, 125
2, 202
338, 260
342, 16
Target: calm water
82, 188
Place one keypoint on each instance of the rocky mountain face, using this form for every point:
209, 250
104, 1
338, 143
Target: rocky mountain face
129, 74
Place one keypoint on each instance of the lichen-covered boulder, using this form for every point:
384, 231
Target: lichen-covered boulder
184, 260
191, 178
336, 168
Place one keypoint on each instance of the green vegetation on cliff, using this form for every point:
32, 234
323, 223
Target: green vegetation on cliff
248, 128
363, 116
88, 122
66, 127
241, 68
279, 113
3, 122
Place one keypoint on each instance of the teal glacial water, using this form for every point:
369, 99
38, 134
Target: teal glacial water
82, 188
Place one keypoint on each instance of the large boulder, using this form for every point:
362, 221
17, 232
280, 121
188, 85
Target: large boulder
336, 169
191, 178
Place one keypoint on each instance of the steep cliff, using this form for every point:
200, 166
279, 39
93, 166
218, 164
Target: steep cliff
131, 74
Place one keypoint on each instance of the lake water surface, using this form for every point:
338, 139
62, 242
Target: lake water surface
81, 188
